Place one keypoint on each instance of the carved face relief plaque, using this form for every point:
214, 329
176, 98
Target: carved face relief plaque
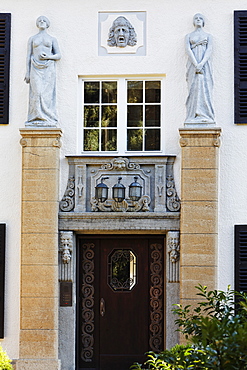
122, 33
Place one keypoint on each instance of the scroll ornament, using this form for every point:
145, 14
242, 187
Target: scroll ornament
67, 203
173, 202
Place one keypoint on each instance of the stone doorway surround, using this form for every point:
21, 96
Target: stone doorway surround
158, 212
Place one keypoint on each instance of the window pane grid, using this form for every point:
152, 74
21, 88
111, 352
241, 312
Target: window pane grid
145, 134
137, 115
100, 117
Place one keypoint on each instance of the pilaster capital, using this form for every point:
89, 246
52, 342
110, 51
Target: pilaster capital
200, 136
32, 137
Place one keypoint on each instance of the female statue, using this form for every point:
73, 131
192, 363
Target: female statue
199, 74
42, 53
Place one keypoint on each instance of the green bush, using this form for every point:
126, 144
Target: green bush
178, 357
216, 333
5, 362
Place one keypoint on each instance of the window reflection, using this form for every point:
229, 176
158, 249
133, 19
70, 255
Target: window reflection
135, 92
91, 92
100, 115
152, 91
134, 140
109, 92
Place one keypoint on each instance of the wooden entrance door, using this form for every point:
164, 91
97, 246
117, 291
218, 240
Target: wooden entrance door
120, 305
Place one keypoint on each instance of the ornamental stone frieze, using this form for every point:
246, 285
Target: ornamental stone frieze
120, 184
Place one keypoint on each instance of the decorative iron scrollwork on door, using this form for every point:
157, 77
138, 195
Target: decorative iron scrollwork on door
87, 312
156, 298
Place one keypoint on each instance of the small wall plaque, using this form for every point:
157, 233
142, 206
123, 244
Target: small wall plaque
135, 22
65, 293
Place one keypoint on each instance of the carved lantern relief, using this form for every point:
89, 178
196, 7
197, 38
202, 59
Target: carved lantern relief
121, 199
139, 184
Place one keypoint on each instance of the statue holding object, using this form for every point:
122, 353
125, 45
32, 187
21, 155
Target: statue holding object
43, 52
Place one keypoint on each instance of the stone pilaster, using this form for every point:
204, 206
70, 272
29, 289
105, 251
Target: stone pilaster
199, 210
39, 249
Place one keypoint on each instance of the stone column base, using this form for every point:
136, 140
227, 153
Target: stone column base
29, 364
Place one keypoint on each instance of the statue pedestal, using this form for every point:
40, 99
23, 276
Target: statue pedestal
199, 210
39, 249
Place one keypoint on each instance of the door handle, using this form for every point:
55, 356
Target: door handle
102, 307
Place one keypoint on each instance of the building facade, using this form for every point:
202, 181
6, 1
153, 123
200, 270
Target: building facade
116, 201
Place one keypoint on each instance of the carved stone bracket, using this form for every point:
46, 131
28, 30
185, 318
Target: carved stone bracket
173, 250
125, 206
67, 203
173, 202
65, 262
66, 245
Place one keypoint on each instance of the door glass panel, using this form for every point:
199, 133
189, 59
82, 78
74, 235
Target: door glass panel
122, 270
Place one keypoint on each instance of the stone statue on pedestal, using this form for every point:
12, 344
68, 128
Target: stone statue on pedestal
43, 52
199, 74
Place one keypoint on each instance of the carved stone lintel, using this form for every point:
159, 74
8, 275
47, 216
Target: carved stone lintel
126, 206
173, 202
67, 203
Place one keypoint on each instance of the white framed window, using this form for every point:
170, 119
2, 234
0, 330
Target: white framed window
121, 115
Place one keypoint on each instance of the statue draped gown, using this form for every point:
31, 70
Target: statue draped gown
200, 84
